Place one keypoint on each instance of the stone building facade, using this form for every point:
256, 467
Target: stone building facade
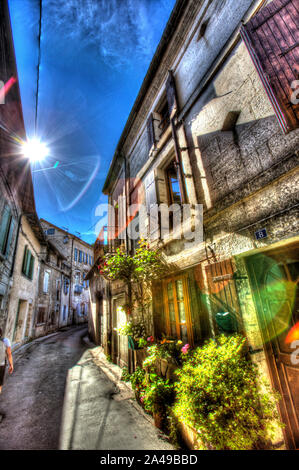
78, 258
24, 250
216, 124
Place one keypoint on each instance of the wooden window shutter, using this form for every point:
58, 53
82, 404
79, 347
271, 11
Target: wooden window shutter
25, 258
222, 291
9, 235
272, 39
159, 314
152, 205
31, 267
151, 132
6, 217
171, 94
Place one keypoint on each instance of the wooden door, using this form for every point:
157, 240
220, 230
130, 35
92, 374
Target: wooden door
274, 277
119, 342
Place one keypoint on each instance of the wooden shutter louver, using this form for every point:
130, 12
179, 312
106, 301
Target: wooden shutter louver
171, 95
150, 132
272, 39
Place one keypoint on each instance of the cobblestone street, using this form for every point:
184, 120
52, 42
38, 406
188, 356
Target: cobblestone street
58, 397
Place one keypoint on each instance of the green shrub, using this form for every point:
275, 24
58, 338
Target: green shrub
217, 395
125, 375
157, 395
137, 379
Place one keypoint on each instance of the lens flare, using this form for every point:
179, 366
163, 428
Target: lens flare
293, 334
35, 150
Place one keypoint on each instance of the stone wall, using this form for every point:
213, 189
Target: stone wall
24, 292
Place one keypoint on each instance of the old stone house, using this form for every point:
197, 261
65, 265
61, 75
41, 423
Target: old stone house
24, 250
216, 124
78, 257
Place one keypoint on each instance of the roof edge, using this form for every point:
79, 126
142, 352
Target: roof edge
170, 27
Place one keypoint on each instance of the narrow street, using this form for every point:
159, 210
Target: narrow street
58, 397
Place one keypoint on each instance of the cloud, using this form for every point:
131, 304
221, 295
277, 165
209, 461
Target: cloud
120, 30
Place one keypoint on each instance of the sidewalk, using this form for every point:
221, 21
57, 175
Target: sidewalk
100, 411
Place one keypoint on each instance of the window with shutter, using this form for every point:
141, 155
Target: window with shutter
46, 282
28, 263
177, 309
272, 39
6, 230
76, 254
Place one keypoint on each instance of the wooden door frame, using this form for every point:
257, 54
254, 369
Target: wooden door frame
267, 344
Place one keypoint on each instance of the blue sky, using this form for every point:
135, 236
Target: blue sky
94, 56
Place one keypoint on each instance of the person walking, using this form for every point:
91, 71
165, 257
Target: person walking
5, 355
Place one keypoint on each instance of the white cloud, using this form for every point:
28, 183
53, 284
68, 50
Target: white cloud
120, 30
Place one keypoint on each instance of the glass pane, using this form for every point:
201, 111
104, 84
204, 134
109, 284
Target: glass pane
170, 291
171, 311
179, 289
184, 336
182, 315
176, 193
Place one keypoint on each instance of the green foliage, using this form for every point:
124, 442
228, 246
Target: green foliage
125, 376
217, 394
134, 328
137, 271
109, 358
166, 349
137, 379
142, 343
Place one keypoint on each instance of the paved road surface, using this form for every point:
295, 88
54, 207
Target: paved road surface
58, 397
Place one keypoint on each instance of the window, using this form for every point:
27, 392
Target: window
164, 118
41, 315
28, 263
76, 255
176, 303
80, 256
66, 284
6, 230
50, 231
57, 290
46, 282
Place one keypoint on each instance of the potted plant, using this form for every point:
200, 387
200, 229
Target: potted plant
158, 395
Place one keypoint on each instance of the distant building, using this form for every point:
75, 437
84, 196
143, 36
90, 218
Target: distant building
78, 258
